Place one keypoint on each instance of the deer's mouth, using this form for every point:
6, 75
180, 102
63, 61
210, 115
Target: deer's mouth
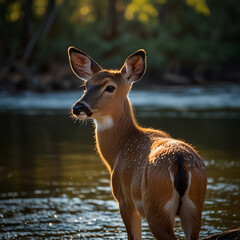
83, 115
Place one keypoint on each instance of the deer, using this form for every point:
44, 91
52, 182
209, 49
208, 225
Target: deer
152, 175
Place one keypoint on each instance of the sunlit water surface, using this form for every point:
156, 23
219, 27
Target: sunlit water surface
54, 186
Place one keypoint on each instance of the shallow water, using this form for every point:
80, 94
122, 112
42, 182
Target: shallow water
53, 185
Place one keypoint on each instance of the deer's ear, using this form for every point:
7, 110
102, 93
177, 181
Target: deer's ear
81, 64
134, 67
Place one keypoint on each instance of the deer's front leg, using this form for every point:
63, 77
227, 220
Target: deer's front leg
132, 220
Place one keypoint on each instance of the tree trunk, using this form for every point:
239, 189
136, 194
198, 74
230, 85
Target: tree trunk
48, 16
112, 20
27, 20
51, 14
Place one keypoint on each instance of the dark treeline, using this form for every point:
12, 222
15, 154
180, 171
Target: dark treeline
187, 41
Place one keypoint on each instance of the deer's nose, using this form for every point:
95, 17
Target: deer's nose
79, 107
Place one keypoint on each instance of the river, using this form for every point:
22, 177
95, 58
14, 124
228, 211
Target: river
54, 186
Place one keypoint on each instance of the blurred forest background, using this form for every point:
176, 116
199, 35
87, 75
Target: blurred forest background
187, 41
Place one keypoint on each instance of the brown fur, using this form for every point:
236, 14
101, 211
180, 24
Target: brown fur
142, 161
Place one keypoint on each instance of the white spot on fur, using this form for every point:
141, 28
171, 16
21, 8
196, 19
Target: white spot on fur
172, 205
188, 208
104, 123
187, 212
185, 196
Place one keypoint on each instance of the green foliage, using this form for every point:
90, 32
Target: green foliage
174, 35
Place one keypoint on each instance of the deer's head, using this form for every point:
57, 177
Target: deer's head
104, 90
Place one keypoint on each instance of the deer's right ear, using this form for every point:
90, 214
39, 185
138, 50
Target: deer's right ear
81, 64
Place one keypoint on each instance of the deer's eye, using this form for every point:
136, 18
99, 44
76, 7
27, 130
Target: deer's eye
110, 89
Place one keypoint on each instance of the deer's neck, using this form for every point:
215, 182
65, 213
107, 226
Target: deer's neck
112, 132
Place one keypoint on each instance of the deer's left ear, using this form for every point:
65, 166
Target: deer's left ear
134, 67
82, 65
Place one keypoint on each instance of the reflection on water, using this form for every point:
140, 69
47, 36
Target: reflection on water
53, 184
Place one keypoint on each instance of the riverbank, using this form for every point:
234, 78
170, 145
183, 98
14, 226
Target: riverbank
59, 77
184, 99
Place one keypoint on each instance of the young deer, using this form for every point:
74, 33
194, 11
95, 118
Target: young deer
152, 175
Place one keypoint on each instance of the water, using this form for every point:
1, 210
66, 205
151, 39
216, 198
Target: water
54, 186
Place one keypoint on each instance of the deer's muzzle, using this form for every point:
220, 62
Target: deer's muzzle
80, 107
